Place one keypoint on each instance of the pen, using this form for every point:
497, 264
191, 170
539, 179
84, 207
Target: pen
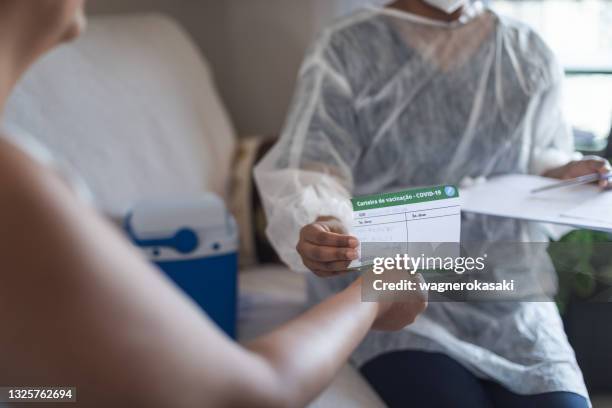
589, 178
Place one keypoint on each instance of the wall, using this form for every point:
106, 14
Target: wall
254, 47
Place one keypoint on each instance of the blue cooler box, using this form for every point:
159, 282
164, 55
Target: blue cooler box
195, 242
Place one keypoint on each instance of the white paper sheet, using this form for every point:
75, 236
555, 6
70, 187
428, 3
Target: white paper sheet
598, 209
584, 206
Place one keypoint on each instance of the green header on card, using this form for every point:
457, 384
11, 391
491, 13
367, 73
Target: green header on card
419, 195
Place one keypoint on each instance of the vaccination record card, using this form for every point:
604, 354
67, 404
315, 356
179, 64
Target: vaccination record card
423, 215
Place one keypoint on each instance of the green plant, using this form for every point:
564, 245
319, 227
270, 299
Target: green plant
582, 260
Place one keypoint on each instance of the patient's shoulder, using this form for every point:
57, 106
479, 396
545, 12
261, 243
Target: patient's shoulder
20, 189
19, 173
23, 153
24, 176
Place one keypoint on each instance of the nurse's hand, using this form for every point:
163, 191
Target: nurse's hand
588, 165
325, 247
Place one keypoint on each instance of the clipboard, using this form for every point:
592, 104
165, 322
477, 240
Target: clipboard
581, 206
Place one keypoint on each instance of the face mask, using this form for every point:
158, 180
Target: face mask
447, 6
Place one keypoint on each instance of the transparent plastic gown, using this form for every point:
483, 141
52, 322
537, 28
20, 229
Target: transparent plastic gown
387, 100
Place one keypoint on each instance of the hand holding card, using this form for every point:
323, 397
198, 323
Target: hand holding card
424, 215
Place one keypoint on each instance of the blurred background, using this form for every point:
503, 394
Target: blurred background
255, 48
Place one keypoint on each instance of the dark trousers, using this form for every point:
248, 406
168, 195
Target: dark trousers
433, 380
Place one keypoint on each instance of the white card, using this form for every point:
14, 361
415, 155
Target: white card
424, 215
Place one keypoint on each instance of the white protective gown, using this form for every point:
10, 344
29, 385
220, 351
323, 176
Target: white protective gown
387, 100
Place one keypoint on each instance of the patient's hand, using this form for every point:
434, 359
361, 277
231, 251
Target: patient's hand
325, 247
393, 316
588, 165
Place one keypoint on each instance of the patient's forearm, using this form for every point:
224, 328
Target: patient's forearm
81, 307
307, 352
